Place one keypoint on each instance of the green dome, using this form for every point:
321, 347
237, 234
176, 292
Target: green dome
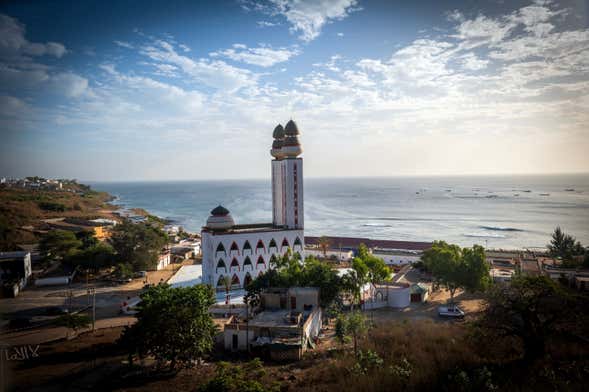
278, 132
219, 211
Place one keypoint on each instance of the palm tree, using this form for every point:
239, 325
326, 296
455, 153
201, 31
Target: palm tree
227, 285
324, 244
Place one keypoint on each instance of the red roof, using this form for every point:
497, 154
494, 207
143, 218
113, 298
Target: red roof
354, 243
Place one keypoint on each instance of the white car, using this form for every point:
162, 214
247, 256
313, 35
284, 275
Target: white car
450, 311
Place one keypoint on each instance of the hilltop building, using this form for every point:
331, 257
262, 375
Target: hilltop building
240, 252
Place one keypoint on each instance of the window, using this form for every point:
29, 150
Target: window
247, 280
221, 281
234, 247
247, 246
221, 264
221, 248
297, 242
260, 245
247, 262
235, 280
234, 263
272, 244
285, 243
260, 262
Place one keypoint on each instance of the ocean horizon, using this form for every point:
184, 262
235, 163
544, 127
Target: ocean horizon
497, 211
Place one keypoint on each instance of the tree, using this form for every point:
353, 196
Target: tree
289, 272
324, 244
455, 268
355, 279
95, 257
353, 325
138, 244
528, 309
87, 238
565, 247
73, 321
59, 244
378, 271
173, 324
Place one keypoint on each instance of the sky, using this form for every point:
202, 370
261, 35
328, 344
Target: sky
153, 90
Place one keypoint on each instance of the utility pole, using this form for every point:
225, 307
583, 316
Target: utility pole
92, 290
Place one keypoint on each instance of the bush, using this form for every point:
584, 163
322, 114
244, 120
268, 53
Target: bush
51, 206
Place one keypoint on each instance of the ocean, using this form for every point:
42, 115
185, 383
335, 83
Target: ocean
494, 211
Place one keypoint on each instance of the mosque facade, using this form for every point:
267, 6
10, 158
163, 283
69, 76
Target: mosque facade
238, 253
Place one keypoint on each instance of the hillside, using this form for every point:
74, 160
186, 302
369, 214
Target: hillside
22, 210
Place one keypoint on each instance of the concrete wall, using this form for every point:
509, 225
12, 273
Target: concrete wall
342, 256
397, 259
211, 257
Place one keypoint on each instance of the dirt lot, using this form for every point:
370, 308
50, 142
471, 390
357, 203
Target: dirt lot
470, 303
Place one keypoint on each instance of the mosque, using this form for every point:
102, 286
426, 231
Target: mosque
242, 252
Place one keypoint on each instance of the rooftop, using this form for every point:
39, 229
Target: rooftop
279, 318
354, 242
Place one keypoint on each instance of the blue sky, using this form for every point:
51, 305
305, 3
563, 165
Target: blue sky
192, 90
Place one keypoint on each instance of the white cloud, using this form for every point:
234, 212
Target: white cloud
14, 45
213, 73
471, 62
265, 23
124, 44
263, 56
70, 84
308, 17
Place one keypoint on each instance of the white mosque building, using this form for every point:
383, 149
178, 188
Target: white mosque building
242, 252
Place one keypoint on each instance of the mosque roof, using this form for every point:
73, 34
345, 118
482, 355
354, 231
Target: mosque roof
219, 211
278, 132
291, 128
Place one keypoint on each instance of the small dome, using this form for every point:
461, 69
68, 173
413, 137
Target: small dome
291, 128
220, 219
219, 211
278, 132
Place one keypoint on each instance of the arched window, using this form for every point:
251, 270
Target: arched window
272, 243
260, 245
260, 262
273, 260
297, 242
235, 280
247, 280
221, 264
247, 262
234, 263
247, 246
234, 247
221, 248
221, 281
285, 243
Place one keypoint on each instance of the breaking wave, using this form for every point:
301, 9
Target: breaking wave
484, 235
500, 228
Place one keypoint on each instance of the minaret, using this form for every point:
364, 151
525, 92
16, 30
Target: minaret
287, 177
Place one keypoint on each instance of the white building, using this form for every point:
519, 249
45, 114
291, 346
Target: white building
242, 252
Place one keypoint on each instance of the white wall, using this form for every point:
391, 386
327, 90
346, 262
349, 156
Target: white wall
342, 256
397, 259
211, 240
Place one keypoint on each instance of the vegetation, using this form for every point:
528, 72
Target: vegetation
137, 245
530, 310
173, 324
324, 244
234, 378
74, 322
59, 244
23, 209
455, 267
568, 249
289, 272
351, 326
93, 257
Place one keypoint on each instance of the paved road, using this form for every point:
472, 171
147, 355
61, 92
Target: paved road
44, 335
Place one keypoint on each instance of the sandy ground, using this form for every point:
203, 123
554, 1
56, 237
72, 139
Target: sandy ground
32, 302
469, 303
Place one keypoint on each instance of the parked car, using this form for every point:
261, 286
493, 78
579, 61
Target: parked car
452, 311
140, 274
